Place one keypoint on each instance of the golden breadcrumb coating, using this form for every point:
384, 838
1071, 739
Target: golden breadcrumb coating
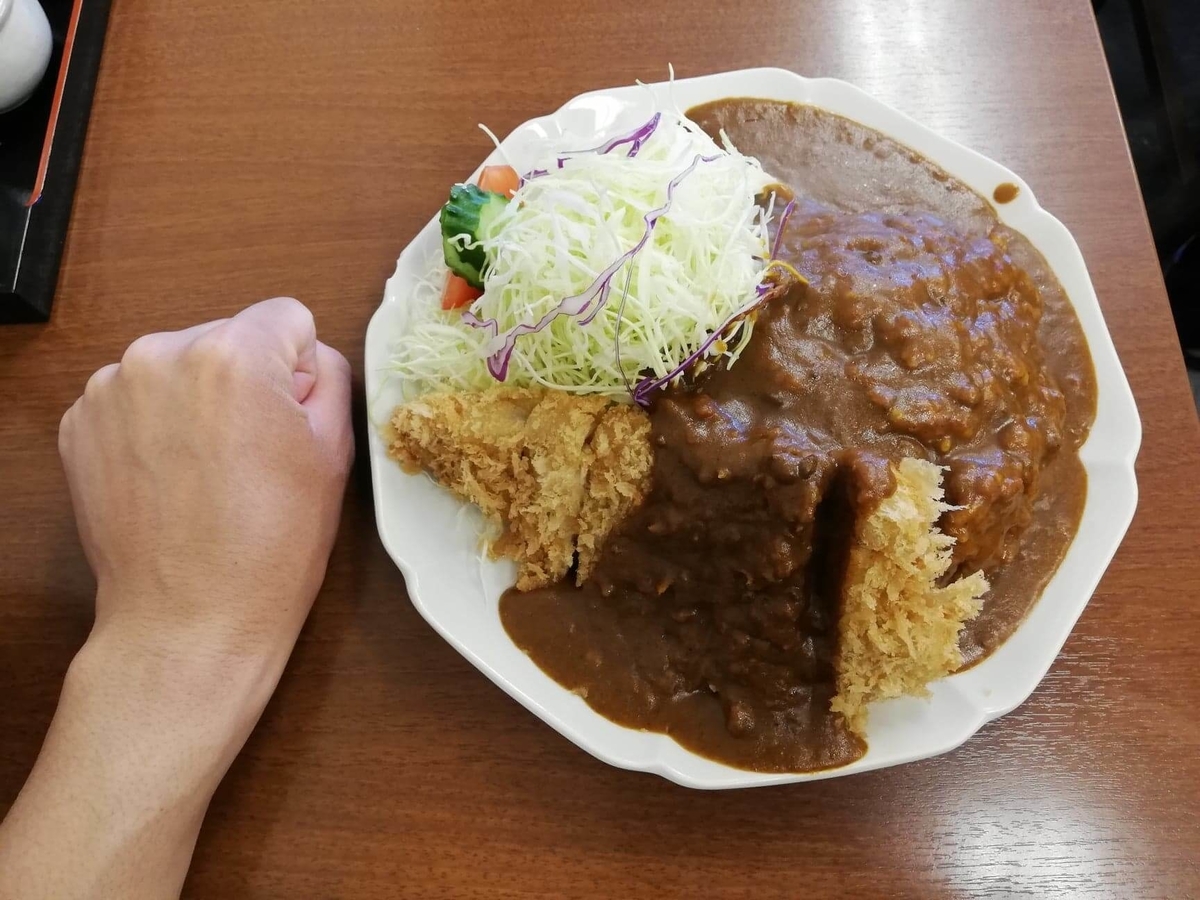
898, 629
558, 472
544, 466
617, 482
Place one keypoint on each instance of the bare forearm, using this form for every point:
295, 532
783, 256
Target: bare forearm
207, 470
138, 745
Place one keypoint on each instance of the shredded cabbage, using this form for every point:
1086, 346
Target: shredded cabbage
575, 216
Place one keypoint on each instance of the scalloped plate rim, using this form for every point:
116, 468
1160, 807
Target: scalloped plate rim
974, 697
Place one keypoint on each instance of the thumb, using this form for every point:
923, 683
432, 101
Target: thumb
283, 331
328, 403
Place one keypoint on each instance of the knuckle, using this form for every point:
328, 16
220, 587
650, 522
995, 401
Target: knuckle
66, 429
289, 309
304, 319
279, 311
219, 351
142, 352
342, 363
335, 360
290, 306
99, 379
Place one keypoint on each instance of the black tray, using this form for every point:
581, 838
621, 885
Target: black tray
41, 144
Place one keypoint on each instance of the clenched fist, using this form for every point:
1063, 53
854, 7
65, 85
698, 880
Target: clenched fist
207, 470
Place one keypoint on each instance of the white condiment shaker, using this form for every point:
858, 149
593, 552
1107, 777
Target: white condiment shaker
25, 45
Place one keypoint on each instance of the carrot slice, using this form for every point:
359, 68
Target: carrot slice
458, 292
500, 180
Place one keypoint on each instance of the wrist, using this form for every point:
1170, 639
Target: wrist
142, 736
191, 626
199, 701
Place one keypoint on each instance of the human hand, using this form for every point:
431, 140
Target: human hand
207, 470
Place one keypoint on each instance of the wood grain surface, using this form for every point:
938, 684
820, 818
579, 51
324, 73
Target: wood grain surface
243, 150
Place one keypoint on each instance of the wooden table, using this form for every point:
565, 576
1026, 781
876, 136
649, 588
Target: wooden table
245, 150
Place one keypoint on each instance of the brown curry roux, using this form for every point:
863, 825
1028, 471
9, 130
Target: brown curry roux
926, 329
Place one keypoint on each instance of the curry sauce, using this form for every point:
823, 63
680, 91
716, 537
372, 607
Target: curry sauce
925, 329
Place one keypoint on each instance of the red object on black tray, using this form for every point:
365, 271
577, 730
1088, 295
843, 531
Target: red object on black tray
41, 144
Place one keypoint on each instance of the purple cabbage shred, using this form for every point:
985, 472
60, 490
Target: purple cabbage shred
636, 139
783, 220
648, 385
587, 303
596, 295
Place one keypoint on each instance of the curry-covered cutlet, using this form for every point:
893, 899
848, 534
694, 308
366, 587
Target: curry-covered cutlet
557, 473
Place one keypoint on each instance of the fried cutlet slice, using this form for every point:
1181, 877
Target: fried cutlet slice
898, 630
543, 518
617, 482
472, 448
523, 457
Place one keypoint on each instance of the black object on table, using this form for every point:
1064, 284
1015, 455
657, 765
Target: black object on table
41, 145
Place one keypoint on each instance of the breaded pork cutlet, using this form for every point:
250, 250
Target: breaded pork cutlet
898, 628
557, 472
554, 471
618, 478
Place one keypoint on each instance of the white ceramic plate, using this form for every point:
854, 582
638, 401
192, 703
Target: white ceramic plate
434, 542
